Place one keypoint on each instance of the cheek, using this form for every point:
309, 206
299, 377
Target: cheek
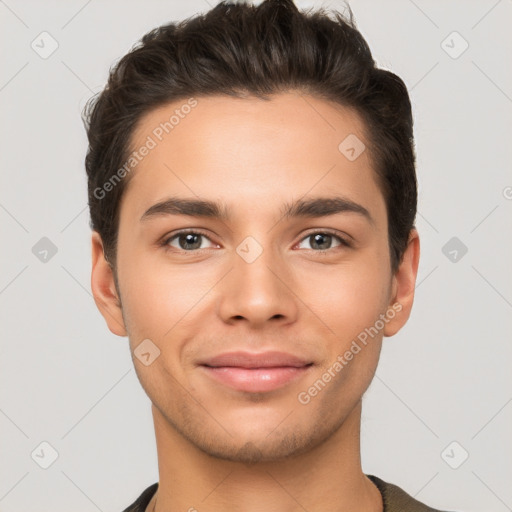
159, 298
350, 296
351, 304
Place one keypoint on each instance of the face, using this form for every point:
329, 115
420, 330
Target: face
247, 308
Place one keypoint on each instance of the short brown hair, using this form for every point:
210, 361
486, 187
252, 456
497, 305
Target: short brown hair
240, 49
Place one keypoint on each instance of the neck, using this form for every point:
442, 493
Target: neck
327, 478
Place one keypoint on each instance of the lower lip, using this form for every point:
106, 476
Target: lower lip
256, 380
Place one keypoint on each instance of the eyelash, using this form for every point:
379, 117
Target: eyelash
342, 240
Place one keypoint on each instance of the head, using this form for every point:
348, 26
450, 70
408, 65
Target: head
255, 113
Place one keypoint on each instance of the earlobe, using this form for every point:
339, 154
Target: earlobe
104, 289
404, 283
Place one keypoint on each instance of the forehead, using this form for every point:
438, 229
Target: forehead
299, 116
225, 147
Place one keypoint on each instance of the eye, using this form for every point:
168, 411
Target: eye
190, 241
323, 240
187, 240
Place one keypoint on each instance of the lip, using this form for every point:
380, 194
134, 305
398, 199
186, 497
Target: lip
255, 372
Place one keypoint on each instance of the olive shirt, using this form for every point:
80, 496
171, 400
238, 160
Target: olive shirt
394, 498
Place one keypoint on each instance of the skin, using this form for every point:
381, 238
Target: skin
218, 448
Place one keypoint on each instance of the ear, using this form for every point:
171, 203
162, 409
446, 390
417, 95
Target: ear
403, 286
104, 289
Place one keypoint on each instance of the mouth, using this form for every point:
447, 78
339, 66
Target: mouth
256, 373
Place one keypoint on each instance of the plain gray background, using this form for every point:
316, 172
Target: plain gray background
443, 388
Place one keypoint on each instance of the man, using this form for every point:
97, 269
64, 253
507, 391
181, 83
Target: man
252, 192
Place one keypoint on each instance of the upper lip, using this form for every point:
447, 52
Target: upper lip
269, 359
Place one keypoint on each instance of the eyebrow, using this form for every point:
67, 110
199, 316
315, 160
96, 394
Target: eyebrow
310, 208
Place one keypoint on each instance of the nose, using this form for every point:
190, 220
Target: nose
257, 292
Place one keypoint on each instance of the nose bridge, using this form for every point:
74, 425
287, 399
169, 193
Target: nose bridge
257, 288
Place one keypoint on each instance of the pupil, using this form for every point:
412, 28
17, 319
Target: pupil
319, 237
190, 239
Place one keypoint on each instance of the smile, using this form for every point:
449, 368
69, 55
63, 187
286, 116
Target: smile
255, 380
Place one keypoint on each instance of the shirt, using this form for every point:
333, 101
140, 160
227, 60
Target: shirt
394, 498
